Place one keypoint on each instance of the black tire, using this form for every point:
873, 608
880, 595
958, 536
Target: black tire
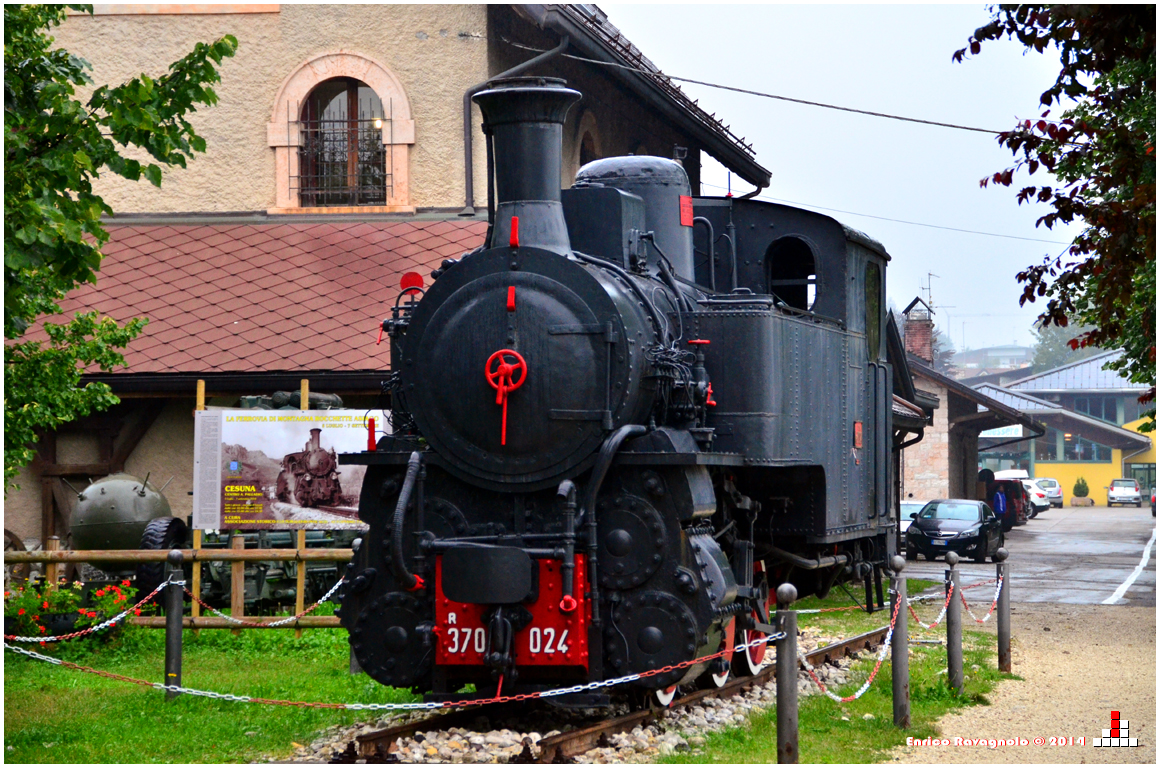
911, 553
163, 533
980, 555
930, 558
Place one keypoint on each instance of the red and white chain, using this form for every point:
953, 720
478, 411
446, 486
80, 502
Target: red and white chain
942, 613
424, 705
877, 665
994, 602
279, 623
95, 628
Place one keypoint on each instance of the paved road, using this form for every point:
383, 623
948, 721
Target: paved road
1071, 555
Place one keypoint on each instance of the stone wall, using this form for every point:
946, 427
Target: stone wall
436, 52
925, 464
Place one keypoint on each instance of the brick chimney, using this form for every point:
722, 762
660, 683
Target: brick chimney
918, 330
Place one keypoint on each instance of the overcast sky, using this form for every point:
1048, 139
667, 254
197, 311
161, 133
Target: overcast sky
893, 59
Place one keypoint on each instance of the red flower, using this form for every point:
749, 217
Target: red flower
36, 618
92, 614
100, 593
137, 612
43, 643
119, 600
6, 593
45, 606
42, 629
125, 583
20, 612
82, 611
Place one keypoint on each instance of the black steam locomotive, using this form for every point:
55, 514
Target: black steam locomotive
309, 477
601, 460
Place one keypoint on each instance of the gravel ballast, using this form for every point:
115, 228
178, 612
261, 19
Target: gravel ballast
1078, 663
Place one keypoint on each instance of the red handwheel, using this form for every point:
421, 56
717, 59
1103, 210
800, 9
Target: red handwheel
501, 375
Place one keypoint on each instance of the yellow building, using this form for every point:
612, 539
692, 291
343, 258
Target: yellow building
1093, 420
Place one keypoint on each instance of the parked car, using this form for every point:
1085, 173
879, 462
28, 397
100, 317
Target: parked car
1053, 489
1153, 501
1125, 490
964, 526
907, 506
1037, 497
1015, 501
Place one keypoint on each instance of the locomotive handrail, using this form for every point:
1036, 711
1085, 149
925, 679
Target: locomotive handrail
159, 555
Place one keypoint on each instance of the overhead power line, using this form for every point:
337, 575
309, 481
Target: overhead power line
661, 75
897, 221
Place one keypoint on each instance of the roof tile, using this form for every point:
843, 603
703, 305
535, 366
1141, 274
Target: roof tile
262, 297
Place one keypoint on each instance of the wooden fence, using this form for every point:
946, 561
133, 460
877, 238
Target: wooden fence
237, 554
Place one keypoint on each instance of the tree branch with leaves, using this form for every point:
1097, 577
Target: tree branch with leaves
1100, 155
54, 147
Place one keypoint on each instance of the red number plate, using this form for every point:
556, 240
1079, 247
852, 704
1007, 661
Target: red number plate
553, 638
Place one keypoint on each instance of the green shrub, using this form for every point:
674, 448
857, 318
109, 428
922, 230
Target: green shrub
1081, 488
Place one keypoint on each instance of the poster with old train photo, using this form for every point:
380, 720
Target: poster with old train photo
277, 469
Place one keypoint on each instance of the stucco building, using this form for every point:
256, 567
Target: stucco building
339, 157
945, 463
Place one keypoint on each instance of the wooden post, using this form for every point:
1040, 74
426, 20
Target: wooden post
304, 403
50, 569
195, 585
300, 589
238, 582
201, 394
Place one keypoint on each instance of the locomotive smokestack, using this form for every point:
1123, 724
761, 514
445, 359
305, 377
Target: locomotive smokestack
315, 443
525, 118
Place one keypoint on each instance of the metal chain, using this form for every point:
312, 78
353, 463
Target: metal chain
425, 705
994, 602
878, 664
942, 613
280, 622
95, 628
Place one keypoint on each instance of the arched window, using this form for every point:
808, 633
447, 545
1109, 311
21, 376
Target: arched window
587, 149
341, 156
791, 272
341, 131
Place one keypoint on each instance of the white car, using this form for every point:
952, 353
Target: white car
1038, 496
1053, 488
908, 506
1125, 491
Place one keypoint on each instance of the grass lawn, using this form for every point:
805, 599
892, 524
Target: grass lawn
56, 715
829, 732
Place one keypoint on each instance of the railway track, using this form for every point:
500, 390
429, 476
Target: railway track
576, 742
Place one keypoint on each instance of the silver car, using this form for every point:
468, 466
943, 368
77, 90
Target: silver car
1052, 488
1125, 491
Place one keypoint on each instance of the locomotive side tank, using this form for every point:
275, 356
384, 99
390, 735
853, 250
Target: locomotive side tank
601, 463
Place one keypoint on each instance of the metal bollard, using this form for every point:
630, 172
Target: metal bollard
900, 645
174, 610
1002, 570
787, 676
954, 627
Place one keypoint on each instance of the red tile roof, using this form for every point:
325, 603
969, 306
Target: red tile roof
263, 297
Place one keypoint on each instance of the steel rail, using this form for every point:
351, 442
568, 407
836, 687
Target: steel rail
579, 741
